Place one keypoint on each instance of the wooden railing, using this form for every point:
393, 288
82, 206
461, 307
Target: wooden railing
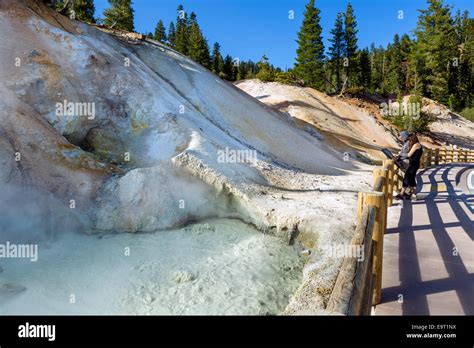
446, 155
358, 285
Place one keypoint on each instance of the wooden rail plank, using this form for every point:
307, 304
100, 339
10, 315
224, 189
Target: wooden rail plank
352, 291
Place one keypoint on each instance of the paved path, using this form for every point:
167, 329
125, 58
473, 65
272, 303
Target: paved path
428, 266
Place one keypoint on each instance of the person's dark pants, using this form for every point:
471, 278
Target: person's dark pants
409, 179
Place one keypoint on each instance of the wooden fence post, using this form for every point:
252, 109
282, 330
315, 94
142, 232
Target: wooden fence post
443, 154
389, 165
379, 172
436, 157
455, 155
396, 179
377, 200
464, 156
400, 180
380, 185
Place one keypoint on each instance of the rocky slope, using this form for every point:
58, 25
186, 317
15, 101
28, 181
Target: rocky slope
344, 125
448, 128
358, 124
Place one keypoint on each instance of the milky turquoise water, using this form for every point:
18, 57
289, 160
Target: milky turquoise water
220, 266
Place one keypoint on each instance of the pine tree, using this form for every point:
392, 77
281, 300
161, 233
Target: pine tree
267, 72
228, 69
405, 52
217, 60
242, 71
379, 67
434, 50
395, 72
119, 15
83, 10
172, 35
454, 99
458, 27
465, 77
198, 48
350, 38
182, 31
364, 75
375, 75
160, 32
310, 53
54, 3
247, 70
337, 49
374, 71
253, 69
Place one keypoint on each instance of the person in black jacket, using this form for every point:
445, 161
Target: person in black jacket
414, 157
402, 157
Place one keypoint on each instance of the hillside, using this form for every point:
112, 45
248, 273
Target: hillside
357, 123
158, 110
344, 125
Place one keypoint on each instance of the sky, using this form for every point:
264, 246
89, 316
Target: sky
248, 29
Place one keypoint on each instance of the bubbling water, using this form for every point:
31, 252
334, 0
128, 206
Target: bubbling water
219, 266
